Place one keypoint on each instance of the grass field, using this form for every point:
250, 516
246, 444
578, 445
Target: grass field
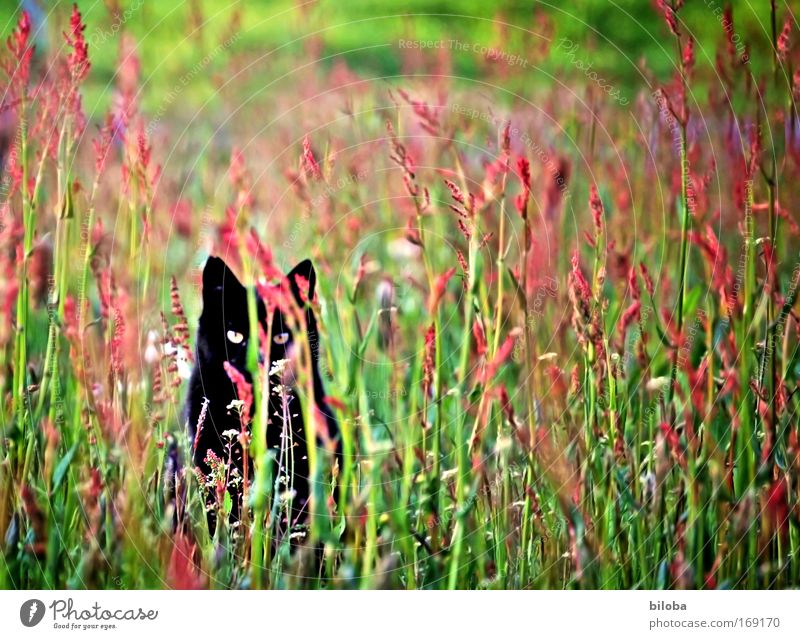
557, 259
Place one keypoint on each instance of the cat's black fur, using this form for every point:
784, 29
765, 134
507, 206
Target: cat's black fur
224, 310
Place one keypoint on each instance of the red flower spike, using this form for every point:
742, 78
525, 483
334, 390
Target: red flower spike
244, 391
688, 56
648, 281
78, 59
18, 44
480, 338
784, 44
309, 161
669, 16
439, 288
596, 204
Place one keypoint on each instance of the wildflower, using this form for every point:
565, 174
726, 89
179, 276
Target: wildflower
687, 57
505, 139
428, 362
631, 314
633, 284
428, 118
244, 391
143, 155
521, 202
777, 507
200, 421
783, 45
309, 161
579, 283
181, 328
116, 341
278, 367
673, 442
669, 12
263, 256
78, 59
182, 572
596, 204
439, 289
480, 338
18, 68
400, 156
465, 211
648, 281
501, 356
102, 145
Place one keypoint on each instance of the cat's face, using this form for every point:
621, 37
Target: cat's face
302, 282
224, 330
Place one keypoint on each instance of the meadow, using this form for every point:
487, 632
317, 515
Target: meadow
557, 278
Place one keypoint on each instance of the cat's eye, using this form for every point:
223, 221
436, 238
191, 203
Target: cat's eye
234, 337
281, 338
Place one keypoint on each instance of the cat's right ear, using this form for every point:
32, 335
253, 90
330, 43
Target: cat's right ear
216, 277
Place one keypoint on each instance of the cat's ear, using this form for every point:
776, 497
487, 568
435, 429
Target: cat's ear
217, 277
303, 281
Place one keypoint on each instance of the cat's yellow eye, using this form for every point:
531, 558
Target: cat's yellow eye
234, 337
281, 338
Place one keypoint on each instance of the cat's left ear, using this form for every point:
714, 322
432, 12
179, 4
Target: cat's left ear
303, 281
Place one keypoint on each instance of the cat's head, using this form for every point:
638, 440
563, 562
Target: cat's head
224, 329
302, 280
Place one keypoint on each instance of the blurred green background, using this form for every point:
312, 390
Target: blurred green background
271, 38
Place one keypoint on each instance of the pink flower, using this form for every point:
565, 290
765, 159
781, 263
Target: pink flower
309, 161
18, 67
439, 288
244, 391
631, 315
78, 59
688, 56
480, 338
501, 356
670, 15
784, 44
596, 204
263, 255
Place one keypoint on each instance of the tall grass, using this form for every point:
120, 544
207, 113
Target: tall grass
561, 344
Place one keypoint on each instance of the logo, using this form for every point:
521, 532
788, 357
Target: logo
31, 612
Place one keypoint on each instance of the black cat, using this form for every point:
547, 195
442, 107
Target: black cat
222, 336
